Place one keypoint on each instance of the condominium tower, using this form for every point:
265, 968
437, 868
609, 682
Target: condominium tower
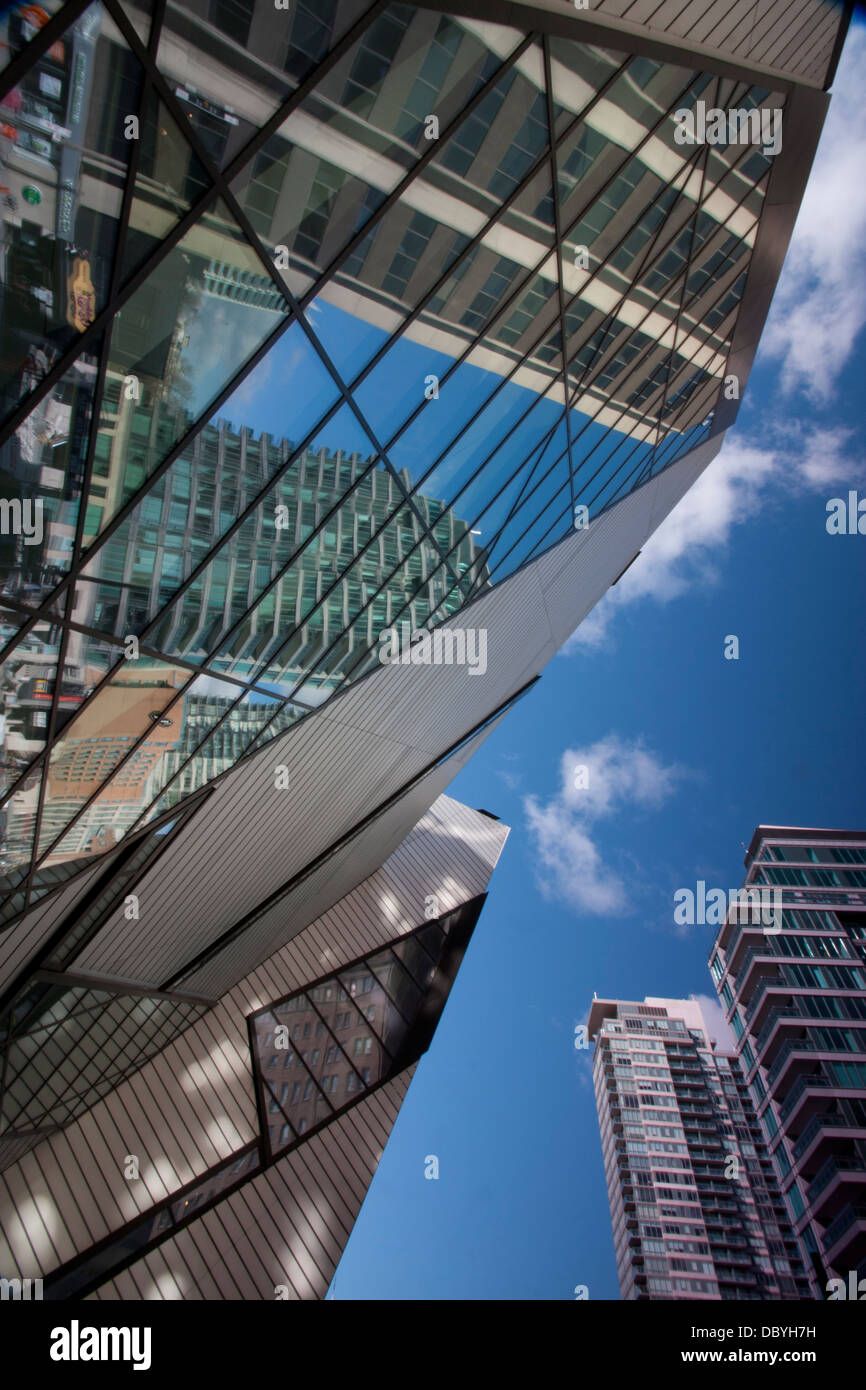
319, 323
695, 1203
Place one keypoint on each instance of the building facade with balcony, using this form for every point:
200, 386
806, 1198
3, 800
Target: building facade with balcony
796, 1001
696, 1207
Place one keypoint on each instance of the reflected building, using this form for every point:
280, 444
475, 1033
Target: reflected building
316, 323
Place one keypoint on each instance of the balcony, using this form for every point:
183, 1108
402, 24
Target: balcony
784, 1055
804, 1083
823, 1121
836, 1166
739, 927
778, 981
842, 1223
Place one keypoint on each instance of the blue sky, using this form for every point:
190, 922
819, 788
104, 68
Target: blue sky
687, 752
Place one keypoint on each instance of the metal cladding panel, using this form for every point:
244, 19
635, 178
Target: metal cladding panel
791, 38
282, 1233
250, 839
339, 874
192, 1106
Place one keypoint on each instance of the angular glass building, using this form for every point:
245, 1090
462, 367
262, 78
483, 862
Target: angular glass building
317, 325
796, 1000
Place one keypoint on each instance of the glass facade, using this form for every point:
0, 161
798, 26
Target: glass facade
322, 1047
65, 1043
316, 322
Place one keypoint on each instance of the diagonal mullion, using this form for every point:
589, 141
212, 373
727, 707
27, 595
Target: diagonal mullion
649, 258
121, 516
518, 290
557, 223
619, 468
38, 46
524, 359
183, 443
220, 183
646, 351
225, 193
421, 163
475, 241
182, 692
95, 407
687, 272
623, 411
533, 405
282, 706
189, 218
687, 169
671, 440
278, 118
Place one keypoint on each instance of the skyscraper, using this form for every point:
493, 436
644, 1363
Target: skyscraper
319, 324
795, 996
696, 1207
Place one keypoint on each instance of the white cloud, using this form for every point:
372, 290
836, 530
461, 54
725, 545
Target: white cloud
820, 304
572, 868
717, 1025
740, 484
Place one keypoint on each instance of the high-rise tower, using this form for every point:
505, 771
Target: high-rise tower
696, 1207
795, 996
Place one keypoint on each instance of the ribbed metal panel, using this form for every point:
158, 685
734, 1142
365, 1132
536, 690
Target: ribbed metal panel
193, 1105
337, 875
19, 943
793, 39
285, 1229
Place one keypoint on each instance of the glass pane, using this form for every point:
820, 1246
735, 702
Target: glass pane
219, 728
176, 343
41, 475
398, 984
21, 23
399, 576
386, 1024
65, 160
233, 62
283, 558
169, 179
113, 751
180, 521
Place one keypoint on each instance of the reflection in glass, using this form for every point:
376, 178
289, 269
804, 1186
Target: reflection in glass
315, 1052
63, 161
64, 1045
175, 344
41, 477
261, 565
